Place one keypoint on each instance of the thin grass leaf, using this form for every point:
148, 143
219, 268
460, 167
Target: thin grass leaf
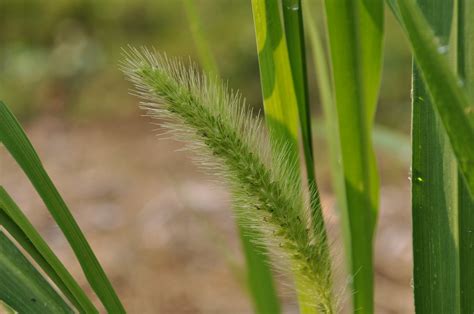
391, 142
294, 31
449, 240
434, 187
355, 35
329, 109
15, 140
230, 143
393, 5
206, 57
259, 277
465, 64
16, 223
445, 88
280, 100
22, 287
466, 244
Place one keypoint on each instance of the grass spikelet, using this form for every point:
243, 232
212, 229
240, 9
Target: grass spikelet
231, 143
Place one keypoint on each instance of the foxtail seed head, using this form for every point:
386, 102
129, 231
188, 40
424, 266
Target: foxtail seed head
231, 143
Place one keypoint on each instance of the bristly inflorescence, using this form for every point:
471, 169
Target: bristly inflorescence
232, 144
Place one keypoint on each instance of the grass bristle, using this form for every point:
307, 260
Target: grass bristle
229, 142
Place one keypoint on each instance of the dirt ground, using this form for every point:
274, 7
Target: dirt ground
164, 231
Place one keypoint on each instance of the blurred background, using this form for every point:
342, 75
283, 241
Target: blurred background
163, 230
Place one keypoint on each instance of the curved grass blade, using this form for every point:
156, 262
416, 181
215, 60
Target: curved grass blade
22, 287
259, 276
356, 34
19, 146
19, 227
445, 88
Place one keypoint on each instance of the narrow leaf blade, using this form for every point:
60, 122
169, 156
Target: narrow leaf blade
330, 122
445, 88
259, 275
206, 57
356, 33
281, 111
22, 287
466, 202
281, 102
19, 146
294, 31
434, 187
16, 223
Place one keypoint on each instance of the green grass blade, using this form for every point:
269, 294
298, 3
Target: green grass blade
450, 240
466, 244
16, 223
294, 31
445, 88
393, 5
329, 109
19, 146
22, 287
206, 57
356, 33
259, 276
433, 209
466, 204
279, 98
434, 189
280, 101
386, 140
22, 239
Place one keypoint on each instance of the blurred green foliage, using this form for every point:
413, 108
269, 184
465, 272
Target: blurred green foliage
60, 56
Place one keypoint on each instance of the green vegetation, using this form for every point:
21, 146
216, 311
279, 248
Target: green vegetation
269, 166
232, 144
442, 127
22, 287
17, 143
259, 275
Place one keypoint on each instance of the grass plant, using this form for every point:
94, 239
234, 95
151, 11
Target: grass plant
258, 272
17, 143
442, 120
355, 31
232, 143
21, 285
265, 164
